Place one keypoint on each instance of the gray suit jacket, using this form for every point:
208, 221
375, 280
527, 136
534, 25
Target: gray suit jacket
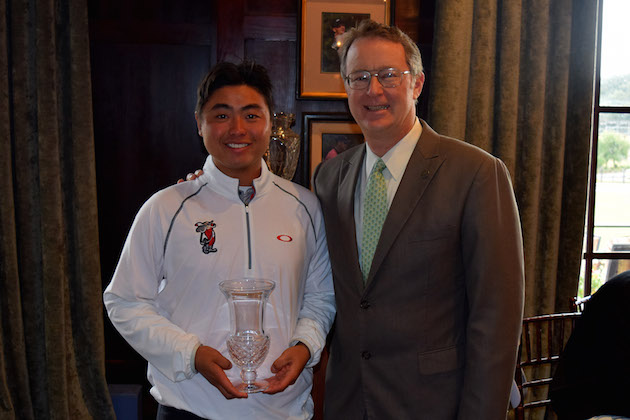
433, 333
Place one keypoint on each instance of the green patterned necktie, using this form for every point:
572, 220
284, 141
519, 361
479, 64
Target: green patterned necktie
374, 212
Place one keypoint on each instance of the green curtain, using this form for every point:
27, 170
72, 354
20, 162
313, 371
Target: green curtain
52, 361
516, 78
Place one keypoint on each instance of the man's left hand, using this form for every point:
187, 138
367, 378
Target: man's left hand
287, 368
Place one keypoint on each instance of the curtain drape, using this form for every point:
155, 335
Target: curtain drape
516, 78
52, 361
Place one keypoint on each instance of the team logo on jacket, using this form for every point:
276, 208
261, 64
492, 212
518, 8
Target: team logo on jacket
207, 237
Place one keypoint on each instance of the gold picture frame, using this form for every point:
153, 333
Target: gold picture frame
325, 135
321, 22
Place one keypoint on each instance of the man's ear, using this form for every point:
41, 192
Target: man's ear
197, 118
418, 84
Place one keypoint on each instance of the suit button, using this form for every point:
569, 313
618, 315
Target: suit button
366, 355
364, 304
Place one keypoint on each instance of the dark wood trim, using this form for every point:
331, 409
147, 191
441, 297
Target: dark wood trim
270, 28
592, 176
607, 256
230, 30
124, 32
613, 109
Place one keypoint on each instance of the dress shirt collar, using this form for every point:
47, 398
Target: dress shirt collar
397, 157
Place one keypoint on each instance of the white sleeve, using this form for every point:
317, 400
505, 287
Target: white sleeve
318, 309
130, 301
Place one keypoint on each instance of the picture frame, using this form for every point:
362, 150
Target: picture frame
326, 135
322, 23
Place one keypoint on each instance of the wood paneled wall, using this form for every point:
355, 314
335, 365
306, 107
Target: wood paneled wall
147, 58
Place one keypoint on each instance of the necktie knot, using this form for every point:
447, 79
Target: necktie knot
378, 167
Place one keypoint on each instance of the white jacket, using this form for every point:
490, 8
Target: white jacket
165, 301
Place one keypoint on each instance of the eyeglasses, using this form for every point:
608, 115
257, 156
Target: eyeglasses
388, 78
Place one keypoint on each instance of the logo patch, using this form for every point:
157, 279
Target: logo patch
207, 237
284, 238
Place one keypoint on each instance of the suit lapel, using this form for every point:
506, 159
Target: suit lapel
348, 178
423, 164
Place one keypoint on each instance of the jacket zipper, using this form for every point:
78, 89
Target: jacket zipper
249, 238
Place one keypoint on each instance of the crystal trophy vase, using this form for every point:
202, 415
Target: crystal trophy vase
284, 146
248, 344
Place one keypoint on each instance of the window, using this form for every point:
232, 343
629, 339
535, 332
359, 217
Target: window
607, 235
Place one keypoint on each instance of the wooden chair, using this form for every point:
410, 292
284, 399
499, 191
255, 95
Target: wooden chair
542, 340
578, 303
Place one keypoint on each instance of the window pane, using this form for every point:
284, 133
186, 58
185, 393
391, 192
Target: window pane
613, 123
612, 187
615, 68
603, 270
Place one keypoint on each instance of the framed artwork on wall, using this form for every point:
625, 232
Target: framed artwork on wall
325, 136
322, 26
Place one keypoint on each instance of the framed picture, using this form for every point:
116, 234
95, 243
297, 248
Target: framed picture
325, 136
322, 26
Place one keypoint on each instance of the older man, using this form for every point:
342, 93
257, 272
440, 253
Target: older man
426, 251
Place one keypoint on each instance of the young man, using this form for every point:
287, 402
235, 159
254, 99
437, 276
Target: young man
429, 283
164, 297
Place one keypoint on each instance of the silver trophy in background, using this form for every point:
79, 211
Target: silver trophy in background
284, 146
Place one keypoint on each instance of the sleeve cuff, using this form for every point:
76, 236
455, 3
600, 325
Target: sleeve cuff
192, 358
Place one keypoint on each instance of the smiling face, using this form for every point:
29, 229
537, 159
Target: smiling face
385, 115
235, 124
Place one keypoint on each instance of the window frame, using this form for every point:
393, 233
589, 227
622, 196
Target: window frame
588, 254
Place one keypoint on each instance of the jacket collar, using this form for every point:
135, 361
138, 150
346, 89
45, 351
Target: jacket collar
228, 186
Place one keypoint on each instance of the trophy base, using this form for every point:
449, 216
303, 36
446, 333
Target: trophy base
251, 388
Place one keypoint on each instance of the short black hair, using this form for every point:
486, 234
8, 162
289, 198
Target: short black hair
230, 74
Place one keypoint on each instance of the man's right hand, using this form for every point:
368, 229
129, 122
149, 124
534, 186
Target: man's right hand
190, 177
211, 364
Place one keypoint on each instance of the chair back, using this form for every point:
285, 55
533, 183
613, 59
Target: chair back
542, 340
578, 302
